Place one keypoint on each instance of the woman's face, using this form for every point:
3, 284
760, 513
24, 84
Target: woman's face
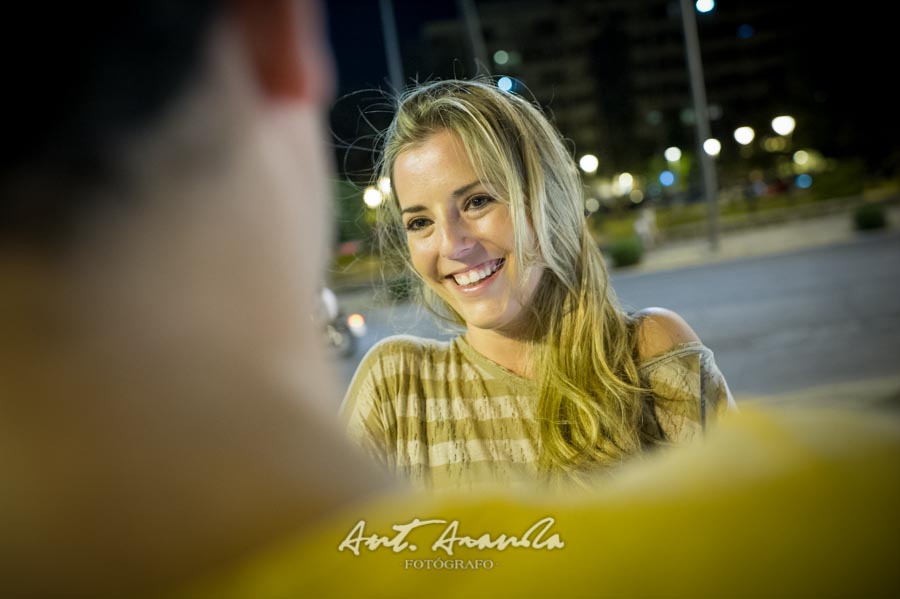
460, 237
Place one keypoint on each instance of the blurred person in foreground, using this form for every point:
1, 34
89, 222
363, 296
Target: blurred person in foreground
164, 185
164, 421
551, 380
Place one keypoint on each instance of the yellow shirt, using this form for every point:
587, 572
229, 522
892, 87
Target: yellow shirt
780, 503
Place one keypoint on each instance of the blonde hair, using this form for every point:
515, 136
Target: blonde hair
584, 346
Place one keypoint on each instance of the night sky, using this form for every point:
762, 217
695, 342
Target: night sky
846, 55
355, 31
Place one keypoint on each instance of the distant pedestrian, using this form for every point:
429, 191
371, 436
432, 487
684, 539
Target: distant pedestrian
645, 227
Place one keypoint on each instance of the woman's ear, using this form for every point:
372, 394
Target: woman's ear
285, 44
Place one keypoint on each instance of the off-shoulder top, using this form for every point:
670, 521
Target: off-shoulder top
443, 416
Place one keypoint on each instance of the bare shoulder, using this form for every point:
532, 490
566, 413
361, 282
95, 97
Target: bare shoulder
659, 330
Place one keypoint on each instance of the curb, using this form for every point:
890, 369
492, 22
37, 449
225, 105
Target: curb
881, 393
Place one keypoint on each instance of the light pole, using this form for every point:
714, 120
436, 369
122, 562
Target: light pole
473, 28
701, 112
391, 45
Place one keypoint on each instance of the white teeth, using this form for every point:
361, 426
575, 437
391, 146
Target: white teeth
474, 276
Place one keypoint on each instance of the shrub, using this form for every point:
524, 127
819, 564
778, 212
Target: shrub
626, 252
844, 180
870, 216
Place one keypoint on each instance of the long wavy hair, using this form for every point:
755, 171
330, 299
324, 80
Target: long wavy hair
583, 348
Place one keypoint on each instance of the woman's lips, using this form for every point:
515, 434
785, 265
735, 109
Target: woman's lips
493, 266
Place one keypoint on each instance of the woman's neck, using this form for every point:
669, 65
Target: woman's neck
513, 353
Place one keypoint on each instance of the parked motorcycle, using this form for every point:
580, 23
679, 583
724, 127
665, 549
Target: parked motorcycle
341, 332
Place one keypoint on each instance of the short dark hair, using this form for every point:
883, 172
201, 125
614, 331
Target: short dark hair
78, 82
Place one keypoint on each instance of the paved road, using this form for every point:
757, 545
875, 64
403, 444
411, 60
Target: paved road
777, 323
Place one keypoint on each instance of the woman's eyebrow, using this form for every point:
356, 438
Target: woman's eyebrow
413, 209
456, 194
465, 188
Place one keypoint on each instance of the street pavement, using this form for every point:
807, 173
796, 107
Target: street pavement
795, 312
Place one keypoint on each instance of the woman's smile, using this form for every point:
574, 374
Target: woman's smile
478, 277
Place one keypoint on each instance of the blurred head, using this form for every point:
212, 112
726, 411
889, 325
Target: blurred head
164, 193
522, 218
177, 146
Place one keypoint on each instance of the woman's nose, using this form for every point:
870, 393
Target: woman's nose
456, 239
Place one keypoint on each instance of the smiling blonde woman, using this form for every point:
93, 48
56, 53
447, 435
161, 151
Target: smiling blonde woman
551, 380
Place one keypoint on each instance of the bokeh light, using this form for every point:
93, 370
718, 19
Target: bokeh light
372, 197
589, 163
357, 324
783, 125
744, 135
712, 146
673, 154
774, 144
705, 6
801, 157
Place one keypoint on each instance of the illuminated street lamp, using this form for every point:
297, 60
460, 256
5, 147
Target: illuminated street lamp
783, 125
744, 135
701, 112
712, 146
673, 154
589, 163
372, 197
625, 182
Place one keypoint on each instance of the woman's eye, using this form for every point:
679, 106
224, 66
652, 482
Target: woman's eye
479, 202
416, 224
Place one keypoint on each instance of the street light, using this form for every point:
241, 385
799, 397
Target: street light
783, 125
372, 197
801, 157
589, 163
701, 111
712, 146
744, 135
625, 182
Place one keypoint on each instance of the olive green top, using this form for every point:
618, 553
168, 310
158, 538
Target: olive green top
443, 416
